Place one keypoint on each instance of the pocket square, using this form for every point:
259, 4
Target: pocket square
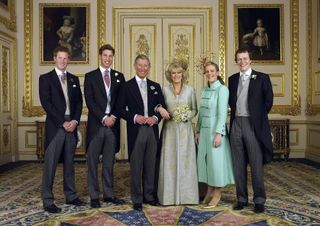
155, 93
74, 86
118, 80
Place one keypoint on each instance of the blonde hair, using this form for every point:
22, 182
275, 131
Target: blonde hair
208, 63
176, 64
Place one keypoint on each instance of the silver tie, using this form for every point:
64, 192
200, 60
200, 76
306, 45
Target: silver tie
143, 87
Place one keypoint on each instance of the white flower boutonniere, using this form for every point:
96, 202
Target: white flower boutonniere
74, 86
116, 74
253, 77
152, 87
155, 93
118, 80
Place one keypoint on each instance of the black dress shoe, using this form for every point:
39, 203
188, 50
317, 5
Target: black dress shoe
76, 202
94, 203
52, 209
114, 201
240, 205
152, 203
137, 206
258, 208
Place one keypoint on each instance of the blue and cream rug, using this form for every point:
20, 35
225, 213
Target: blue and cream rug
292, 189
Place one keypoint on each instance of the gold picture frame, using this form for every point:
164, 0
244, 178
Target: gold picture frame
31, 50
8, 14
64, 24
259, 27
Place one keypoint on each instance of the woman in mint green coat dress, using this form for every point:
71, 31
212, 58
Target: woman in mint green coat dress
214, 157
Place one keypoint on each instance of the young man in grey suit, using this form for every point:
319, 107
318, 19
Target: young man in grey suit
250, 99
61, 98
101, 90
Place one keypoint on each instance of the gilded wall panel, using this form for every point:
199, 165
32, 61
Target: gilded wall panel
313, 138
143, 41
182, 46
30, 139
313, 46
316, 84
6, 139
8, 97
5, 80
294, 137
278, 84
176, 33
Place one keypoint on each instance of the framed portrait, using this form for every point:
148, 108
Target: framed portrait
4, 4
64, 25
8, 14
260, 29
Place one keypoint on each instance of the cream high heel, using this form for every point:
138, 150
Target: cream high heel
207, 199
214, 202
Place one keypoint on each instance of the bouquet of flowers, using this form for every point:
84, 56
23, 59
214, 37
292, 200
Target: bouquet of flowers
181, 113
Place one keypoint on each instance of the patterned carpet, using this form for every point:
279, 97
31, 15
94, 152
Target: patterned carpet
292, 189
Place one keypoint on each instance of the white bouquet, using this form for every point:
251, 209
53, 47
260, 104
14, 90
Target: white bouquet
181, 113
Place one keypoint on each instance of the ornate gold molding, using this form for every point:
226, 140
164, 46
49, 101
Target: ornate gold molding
10, 23
101, 22
28, 109
295, 107
295, 57
143, 46
222, 38
5, 79
6, 141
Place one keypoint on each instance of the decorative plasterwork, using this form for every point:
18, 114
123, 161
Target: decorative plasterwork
5, 96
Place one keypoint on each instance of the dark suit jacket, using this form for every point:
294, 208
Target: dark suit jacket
260, 100
53, 102
131, 103
96, 100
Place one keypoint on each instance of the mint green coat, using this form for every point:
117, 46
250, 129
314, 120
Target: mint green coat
214, 164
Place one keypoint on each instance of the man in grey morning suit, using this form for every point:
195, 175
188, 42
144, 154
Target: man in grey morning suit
61, 98
138, 100
250, 99
101, 90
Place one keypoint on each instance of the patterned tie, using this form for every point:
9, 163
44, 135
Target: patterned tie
63, 78
106, 77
